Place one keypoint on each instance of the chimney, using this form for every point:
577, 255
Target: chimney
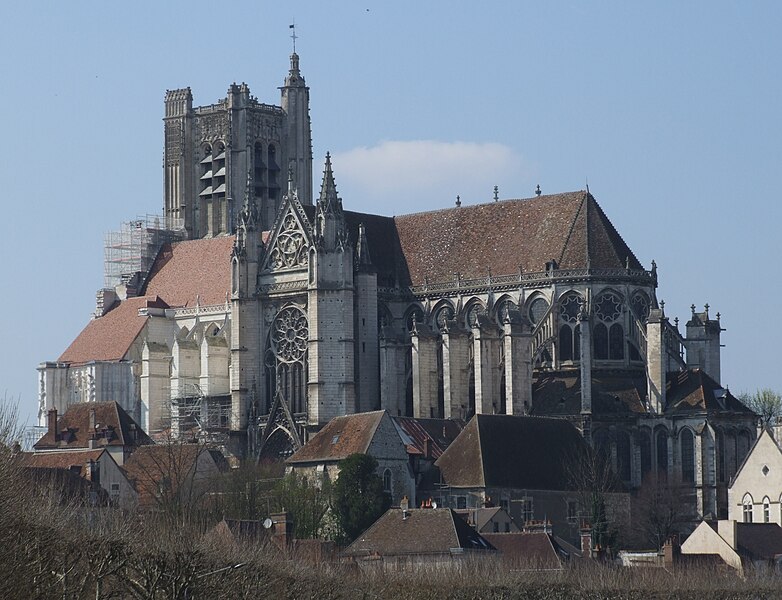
283, 528
93, 472
427, 448
586, 540
671, 551
93, 420
51, 421
727, 531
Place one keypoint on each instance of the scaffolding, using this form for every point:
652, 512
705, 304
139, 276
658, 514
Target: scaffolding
208, 417
134, 247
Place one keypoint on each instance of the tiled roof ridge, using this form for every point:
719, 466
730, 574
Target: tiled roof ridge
464, 207
613, 231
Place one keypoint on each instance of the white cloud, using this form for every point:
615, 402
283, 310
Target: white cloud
426, 174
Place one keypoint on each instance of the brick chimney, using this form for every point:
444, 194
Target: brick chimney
671, 551
51, 421
283, 528
427, 448
586, 540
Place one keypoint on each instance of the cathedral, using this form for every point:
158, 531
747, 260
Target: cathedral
265, 309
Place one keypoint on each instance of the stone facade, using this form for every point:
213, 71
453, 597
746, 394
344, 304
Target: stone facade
755, 493
278, 315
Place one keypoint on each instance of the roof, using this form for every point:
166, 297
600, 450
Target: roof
511, 452
193, 270
114, 428
613, 392
538, 549
694, 390
759, 541
108, 337
67, 459
340, 438
570, 228
414, 432
170, 465
417, 531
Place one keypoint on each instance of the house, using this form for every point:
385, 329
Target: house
755, 492
96, 466
524, 465
739, 545
373, 433
489, 520
173, 476
93, 425
423, 537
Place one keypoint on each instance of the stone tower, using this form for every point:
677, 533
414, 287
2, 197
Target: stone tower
331, 382
210, 151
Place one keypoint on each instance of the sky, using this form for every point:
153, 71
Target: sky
669, 111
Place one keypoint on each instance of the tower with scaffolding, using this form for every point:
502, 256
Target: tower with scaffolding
130, 252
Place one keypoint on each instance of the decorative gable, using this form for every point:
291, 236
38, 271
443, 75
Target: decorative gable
289, 245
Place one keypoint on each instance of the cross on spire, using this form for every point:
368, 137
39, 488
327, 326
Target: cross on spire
293, 34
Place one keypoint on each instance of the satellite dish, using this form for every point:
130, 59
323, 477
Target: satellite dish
267, 523
434, 504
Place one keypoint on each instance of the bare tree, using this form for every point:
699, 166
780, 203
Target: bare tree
766, 402
662, 508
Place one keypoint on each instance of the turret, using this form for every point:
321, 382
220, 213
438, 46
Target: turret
703, 342
295, 102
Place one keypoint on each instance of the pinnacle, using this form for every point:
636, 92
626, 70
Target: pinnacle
328, 188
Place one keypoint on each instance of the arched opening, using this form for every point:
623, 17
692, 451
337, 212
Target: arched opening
387, 481
645, 446
624, 456
766, 510
661, 439
600, 341
616, 342
747, 508
687, 445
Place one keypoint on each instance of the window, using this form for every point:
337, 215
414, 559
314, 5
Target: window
504, 504
624, 455
495, 527
688, 456
766, 510
507, 527
570, 307
461, 502
608, 336
387, 481
114, 493
747, 502
572, 511
662, 450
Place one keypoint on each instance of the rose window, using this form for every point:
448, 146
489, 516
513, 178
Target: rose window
608, 307
289, 335
290, 249
570, 308
537, 310
640, 306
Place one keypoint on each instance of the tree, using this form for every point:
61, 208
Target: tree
359, 499
307, 503
766, 402
663, 508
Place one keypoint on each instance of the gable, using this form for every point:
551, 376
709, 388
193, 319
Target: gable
750, 477
340, 438
287, 248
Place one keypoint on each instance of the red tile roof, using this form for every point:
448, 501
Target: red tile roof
694, 390
108, 337
194, 268
417, 531
441, 432
340, 438
115, 428
535, 550
63, 459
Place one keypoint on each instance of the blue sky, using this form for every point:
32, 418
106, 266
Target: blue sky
670, 111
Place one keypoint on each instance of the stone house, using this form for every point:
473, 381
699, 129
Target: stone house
739, 545
96, 466
520, 464
755, 492
372, 433
489, 520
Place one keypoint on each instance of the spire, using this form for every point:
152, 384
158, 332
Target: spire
329, 201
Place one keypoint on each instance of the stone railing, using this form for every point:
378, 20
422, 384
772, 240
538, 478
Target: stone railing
283, 286
521, 279
638, 334
191, 311
674, 343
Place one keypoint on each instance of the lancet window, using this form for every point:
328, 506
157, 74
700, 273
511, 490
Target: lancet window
286, 357
608, 333
570, 307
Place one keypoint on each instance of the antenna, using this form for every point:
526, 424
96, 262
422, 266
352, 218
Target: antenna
293, 34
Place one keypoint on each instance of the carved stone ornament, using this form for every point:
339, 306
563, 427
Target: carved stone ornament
289, 335
290, 247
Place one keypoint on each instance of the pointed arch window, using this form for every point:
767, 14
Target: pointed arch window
688, 456
387, 481
285, 358
747, 508
662, 451
766, 510
570, 307
608, 337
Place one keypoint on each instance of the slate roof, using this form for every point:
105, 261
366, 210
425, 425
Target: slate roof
613, 392
511, 452
423, 531
695, 391
441, 432
538, 549
759, 541
184, 271
340, 438
115, 428
108, 337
